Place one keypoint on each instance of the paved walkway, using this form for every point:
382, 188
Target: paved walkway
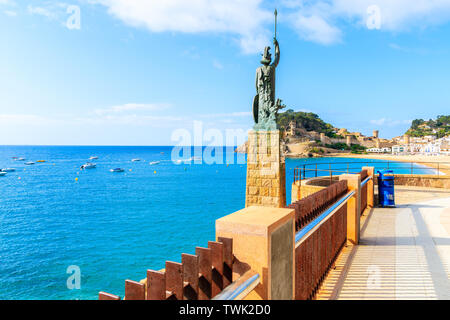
404, 252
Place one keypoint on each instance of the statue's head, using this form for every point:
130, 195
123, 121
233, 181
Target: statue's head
266, 57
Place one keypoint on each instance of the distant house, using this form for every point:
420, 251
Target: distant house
379, 150
398, 149
431, 148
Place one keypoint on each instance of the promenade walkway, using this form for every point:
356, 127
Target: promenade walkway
404, 253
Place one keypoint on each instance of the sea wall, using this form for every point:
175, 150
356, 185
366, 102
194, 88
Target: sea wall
417, 180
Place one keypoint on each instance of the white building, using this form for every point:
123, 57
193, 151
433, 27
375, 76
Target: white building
379, 150
398, 149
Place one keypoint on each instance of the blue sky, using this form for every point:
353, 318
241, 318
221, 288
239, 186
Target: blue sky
136, 71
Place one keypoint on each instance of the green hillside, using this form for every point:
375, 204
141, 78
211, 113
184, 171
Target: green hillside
439, 127
308, 120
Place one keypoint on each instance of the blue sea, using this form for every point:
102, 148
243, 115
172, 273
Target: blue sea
113, 226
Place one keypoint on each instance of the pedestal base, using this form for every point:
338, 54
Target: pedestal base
266, 176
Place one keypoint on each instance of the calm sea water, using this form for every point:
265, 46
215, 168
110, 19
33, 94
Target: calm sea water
113, 226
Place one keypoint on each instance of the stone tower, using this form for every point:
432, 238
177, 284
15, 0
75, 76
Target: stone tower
349, 140
375, 134
406, 139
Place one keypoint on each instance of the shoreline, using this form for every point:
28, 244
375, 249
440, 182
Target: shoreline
443, 161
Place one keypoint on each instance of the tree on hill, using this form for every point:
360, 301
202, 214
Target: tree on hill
308, 120
439, 127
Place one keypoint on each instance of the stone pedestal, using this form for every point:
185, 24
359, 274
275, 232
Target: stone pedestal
266, 173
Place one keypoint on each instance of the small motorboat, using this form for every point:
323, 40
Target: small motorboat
2, 173
88, 166
154, 163
117, 170
135, 160
8, 170
40, 161
29, 163
93, 158
20, 159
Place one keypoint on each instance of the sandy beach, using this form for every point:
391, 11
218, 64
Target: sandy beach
441, 162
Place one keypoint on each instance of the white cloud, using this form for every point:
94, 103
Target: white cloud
420, 51
244, 19
390, 122
130, 107
10, 13
397, 15
316, 29
321, 21
41, 11
24, 119
217, 65
227, 115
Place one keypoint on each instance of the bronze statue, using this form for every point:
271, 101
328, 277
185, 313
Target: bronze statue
265, 107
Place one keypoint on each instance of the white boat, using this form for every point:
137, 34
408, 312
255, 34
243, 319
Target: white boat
93, 158
135, 160
88, 166
29, 163
154, 162
117, 170
20, 159
2, 173
8, 170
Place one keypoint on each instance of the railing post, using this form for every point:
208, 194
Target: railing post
370, 186
263, 241
353, 207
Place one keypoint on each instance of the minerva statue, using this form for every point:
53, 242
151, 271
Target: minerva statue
265, 107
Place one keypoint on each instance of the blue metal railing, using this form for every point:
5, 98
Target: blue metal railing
303, 233
365, 181
237, 291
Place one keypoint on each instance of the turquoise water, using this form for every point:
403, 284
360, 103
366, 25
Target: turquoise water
113, 226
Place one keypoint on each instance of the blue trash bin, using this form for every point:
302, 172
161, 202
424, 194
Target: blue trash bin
386, 188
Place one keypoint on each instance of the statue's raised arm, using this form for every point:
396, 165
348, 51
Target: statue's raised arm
277, 53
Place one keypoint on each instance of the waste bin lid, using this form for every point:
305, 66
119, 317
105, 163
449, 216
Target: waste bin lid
381, 174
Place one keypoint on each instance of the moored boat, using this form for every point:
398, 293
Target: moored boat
8, 170
88, 165
29, 163
154, 163
2, 173
117, 170
135, 160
